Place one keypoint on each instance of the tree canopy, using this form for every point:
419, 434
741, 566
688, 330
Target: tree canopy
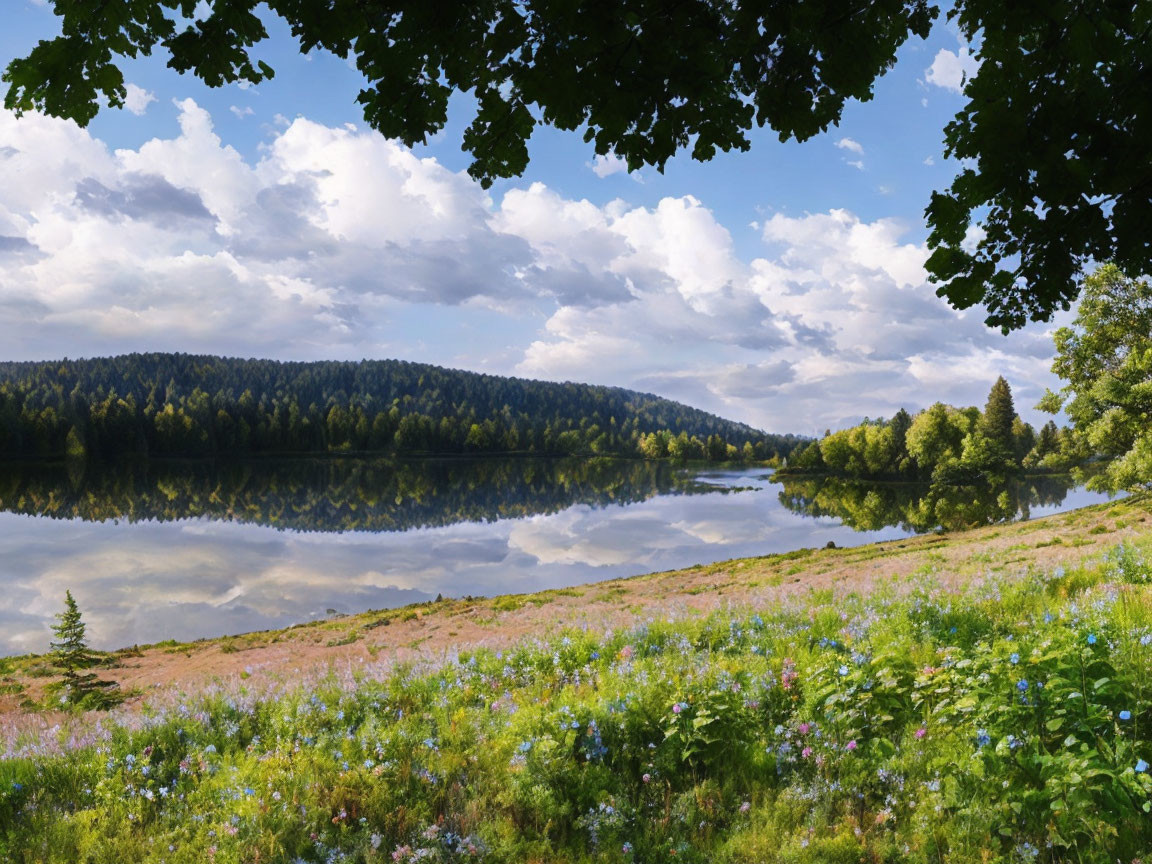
1051, 140
1105, 358
944, 445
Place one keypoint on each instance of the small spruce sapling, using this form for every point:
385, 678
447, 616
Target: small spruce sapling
73, 659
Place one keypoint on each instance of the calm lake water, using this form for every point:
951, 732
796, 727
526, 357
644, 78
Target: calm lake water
182, 551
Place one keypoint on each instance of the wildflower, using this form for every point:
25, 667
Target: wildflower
788, 674
677, 708
803, 728
1091, 638
1125, 715
1022, 684
1014, 659
647, 778
921, 732
627, 848
982, 738
1141, 766
843, 670
851, 745
1146, 639
806, 752
746, 806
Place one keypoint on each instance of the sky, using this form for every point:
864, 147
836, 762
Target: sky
783, 287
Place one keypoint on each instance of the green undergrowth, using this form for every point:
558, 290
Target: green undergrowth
1009, 722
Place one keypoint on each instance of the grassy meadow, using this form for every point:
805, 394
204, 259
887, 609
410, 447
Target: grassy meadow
1006, 719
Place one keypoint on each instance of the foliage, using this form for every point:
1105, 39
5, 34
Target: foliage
195, 406
1105, 358
1007, 722
1050, 139
72, 659
1052, 165
640, 78
942, 444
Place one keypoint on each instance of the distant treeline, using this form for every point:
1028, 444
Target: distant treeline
943, 444
180, 405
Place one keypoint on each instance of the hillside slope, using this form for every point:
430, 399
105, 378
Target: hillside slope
198, 405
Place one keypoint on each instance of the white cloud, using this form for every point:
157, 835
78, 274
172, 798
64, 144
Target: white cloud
607, 165
928, 160
858, 164
950, 69
339, 243
138, 99
241, 113
851, 145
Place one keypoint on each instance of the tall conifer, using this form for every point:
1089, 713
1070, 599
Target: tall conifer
999, 414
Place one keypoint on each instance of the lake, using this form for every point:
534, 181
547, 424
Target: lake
157, 551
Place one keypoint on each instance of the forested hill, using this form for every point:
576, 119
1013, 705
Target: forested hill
189, 405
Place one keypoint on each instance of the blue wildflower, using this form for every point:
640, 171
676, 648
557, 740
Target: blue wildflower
1022, 684
1014, 659
1091, 638
982, 738
1141, 766
1125, 715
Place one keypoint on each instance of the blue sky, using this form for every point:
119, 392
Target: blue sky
782, 286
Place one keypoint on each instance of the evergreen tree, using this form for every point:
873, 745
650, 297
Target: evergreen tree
999, 415
900, 424
73, 658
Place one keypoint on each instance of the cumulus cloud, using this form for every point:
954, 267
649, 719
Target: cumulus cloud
951, 69
340, 243
607, 165
138, 99
850, 145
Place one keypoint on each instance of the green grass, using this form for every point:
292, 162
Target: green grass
1008, 722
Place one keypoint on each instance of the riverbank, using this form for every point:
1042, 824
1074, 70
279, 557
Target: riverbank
430, 631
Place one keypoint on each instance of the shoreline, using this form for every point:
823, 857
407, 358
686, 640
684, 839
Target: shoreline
420, 632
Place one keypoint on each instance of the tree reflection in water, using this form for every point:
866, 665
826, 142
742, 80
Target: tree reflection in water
920, 507
339, 494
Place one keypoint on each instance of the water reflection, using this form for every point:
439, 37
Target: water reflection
335, 495
918, 508
186, 551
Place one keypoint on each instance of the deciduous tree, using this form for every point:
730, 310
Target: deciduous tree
1105, 358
